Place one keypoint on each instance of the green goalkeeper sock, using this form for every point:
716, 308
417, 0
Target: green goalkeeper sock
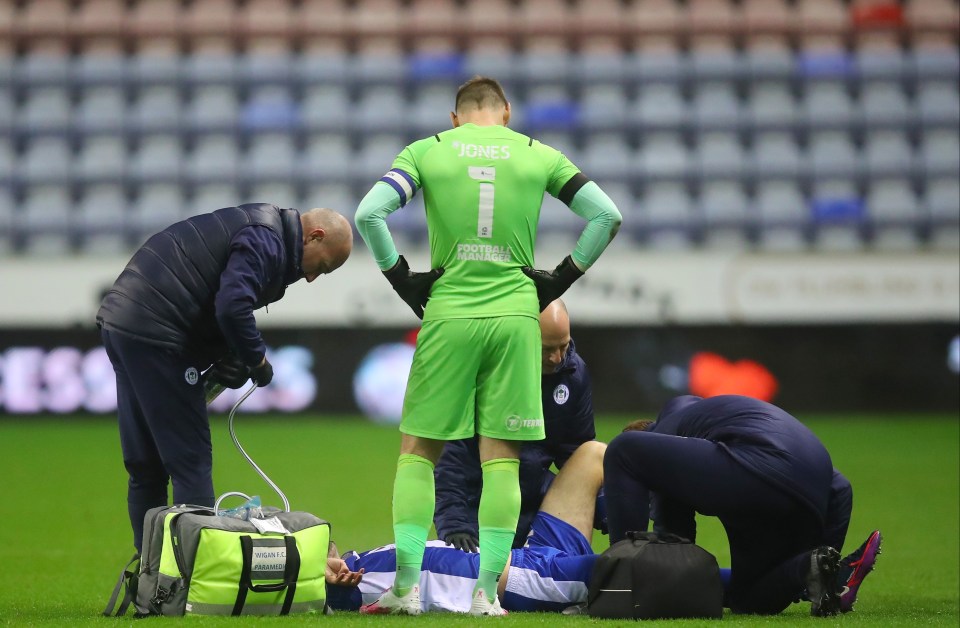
498, 515
413, 500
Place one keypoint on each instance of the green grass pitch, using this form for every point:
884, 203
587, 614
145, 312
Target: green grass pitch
64, 533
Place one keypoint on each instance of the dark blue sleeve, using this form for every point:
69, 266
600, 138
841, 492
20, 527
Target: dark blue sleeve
458, 483
256, 257
580, 421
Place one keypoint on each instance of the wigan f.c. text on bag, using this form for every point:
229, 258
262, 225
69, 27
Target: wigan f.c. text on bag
655, 576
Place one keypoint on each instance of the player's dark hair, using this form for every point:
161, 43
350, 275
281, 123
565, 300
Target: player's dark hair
480, 92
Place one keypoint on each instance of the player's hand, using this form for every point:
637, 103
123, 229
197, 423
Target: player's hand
229, 372
463, 541
262, 374
413, 288
337, 573
550, 285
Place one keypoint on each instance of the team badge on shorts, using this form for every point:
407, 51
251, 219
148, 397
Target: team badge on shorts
514, 423
192, 376
560, 394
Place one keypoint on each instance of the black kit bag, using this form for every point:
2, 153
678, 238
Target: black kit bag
655, 576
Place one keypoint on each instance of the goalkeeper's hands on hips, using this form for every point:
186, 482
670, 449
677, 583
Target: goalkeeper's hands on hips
551, 285
413, 288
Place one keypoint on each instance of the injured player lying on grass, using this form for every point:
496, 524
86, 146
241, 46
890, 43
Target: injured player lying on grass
550, 573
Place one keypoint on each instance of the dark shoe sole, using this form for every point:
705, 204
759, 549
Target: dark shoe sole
827, 600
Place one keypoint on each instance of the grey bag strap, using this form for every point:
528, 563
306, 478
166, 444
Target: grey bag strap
128, 578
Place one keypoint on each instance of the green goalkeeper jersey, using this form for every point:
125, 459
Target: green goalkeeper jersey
482, 188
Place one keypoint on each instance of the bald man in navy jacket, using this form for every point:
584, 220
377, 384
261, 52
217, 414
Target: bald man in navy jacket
764, 474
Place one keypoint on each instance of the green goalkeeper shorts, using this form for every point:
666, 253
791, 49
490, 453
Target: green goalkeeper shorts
478, 376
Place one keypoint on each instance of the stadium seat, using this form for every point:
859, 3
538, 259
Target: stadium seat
544, 60
156, 109
46, 160
601, 61
156, 62
887, 154
45, 110
47, 65
212, 62
881, 62
157, 206
430, 109
44, 220
885, 105
329, 159
720, 155
7, 160
661, 65
661, 107
337, 196
378, 63
381, 109
326, 108
158, 158
270, 157
726, 215
318, 19
489, 17
826, 104
547, 107
8, 241
938, 104
670, 216
269, 64
101, 159
832, 154
213, 108
664, 156
942, 203
101, 110
215, 159
276, 193
433, 16
208, 197
713, 59
608, 156
376, 156
269, 108
839, 215
100, 220
7, 111
265, 18
769, 58
775, 155
771, 106
321, 63
558, 221
784, 216
895, 215
768, 16
934, 63
155, 20
655, 17
940, 153
204, 17
101, 63
603, 107
492, 57
562, 141
715, 107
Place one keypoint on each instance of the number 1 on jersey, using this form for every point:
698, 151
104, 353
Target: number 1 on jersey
484, 174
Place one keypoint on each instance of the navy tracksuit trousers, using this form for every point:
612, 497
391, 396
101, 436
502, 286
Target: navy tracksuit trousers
164, 430
770, 532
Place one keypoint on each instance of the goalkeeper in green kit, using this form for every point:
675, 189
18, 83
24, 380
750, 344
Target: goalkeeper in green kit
476, 368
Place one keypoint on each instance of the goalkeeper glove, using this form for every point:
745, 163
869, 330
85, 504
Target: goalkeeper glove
463, 541
229, 371
413, 288
550, 285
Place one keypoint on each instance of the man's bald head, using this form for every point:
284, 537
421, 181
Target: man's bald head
555, 335
327, 241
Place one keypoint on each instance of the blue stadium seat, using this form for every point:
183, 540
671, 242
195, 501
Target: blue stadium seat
839, 215
269, 108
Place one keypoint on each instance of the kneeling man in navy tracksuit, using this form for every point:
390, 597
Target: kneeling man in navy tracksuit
185, 301
767, 478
